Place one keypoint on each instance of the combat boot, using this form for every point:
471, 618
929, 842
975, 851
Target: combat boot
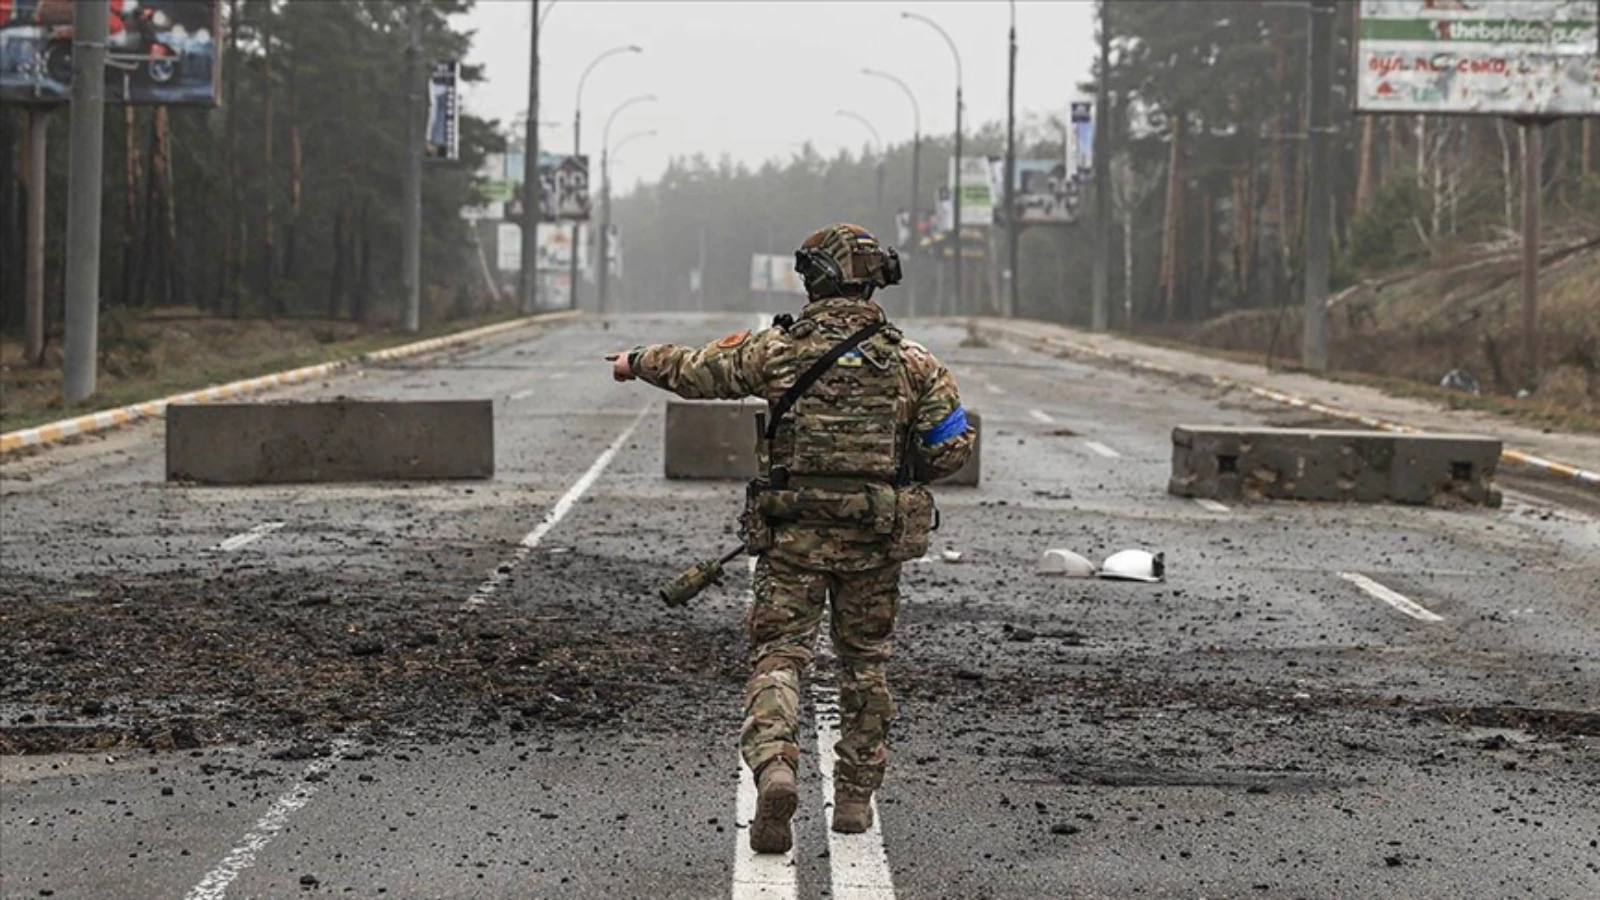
852, 809
776, 799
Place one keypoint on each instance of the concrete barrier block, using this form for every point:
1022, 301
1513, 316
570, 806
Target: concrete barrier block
716, 440
1353, 466
328, 441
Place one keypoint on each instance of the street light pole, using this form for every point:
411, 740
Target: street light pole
577, 149
608, 158
878, 141
605, 182
955, 189
1012, 225
916, 173
84, 164
411, 250
531, 191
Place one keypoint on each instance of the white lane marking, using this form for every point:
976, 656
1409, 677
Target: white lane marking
1211, 504
249, 537
758, 876
1397, 600
215, 883
1042, 416
860, 867
993, 388
553, 518
523, 394
1102, 449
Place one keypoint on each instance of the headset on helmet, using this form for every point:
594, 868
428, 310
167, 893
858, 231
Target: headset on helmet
824, 277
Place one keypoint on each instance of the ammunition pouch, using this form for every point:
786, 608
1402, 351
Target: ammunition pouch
754, 529
916, 518
870, 508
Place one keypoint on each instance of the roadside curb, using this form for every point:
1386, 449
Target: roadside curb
1518, 458
104, 420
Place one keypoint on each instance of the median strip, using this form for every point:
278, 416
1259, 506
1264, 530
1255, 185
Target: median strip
105, 420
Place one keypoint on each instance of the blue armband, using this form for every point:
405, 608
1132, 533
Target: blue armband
953, 425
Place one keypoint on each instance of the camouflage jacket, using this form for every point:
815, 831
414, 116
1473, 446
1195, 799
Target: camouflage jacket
762, 364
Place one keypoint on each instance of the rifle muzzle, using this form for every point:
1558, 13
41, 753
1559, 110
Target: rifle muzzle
690, 583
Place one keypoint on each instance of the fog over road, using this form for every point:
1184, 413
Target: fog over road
368, 689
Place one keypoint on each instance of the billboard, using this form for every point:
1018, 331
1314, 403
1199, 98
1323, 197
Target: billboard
443, 142
554, 247
1046, 194
977, 190
1488, 57
774, 273
564, 188
158, 52
1080, 140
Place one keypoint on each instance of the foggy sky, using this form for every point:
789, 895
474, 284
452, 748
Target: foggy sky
754, 79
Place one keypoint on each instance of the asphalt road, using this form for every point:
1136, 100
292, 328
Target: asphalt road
371, 690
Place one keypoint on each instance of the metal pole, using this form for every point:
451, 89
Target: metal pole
411, 264
1314, 349
916, 193
577, 147
1532, 161
605, 223
529, 271
955, 212
83, 199
38, 130
1100, 314
1013, 227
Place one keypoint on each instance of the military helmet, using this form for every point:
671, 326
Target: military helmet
845, 259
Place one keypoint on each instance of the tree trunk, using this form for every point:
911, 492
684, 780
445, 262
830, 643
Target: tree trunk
1505, 175
363, 264
1364, 168
1202, 299
1588, 148
130, 199
1173, 266
296, 190
269, 261
234, 245
169, 194
340, 249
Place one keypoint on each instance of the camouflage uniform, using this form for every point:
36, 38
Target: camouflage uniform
851, 551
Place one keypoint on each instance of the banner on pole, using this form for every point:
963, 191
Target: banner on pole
1080, 146
1045, 193
564, 188
977, 190
444, 112
1484, 57
554, 247
158, 52
508, 247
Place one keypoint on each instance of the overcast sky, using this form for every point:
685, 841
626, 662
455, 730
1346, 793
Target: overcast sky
756, 78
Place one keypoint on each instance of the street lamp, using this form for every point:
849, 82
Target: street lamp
605, 191
531, 205
878, 192
916, 174
955, 190
577, 145
610, 159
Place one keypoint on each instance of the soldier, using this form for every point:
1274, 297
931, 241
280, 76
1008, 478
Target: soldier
861, 419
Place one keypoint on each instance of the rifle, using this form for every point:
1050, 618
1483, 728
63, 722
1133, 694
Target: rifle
695, 579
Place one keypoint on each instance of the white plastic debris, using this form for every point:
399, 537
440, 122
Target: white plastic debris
1066, 564
1134, 565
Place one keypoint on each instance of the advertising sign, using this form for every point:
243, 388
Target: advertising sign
977, 190
1489, 57
1080, 143
554, 252
508, 247
444, 112
1046, 194
158, 52
774, 273
564, 183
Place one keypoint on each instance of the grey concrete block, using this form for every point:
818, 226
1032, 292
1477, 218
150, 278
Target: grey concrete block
326, 441
716, 440
1353, 466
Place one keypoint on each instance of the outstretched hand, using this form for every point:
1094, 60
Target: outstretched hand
620, 370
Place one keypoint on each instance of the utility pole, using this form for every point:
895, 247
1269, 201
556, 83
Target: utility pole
411, 266
84, 162
33, 315
1013, 226
955, 210
1532, 166
528, 273
577, 226
1100, 313
605, 226
1314, 349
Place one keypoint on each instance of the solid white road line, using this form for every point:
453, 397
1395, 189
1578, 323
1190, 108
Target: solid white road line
523, 394
553, 518
860, 867
1042, 416
249, 537
758, 876
1211, 504
993, 388
1102, 449
1397, 600
215, 883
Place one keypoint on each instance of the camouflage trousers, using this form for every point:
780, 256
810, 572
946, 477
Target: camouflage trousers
782, 627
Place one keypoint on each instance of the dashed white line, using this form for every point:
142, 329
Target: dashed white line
860, 867
993, 388
1211, 504
1042, 416
1395, 599
553, 518
215, 883
1102, 449
758, 876
523, 394
249, 537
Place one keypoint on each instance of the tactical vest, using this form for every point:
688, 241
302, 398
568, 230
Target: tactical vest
852, 423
